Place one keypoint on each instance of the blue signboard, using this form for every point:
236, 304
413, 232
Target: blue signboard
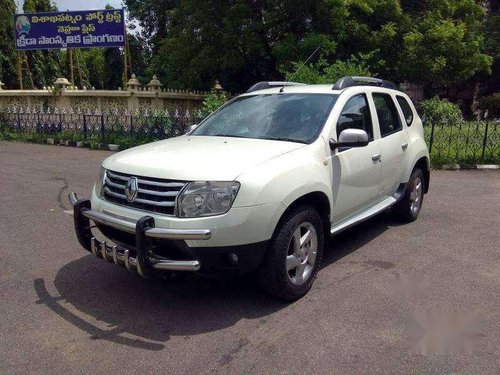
82, 29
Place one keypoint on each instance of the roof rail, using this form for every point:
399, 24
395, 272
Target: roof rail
268, 85
346, 82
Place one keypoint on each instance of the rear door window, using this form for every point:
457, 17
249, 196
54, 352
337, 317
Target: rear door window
407, 111
387, 114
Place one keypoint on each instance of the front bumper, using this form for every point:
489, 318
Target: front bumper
144, 248
129, 226
144, 262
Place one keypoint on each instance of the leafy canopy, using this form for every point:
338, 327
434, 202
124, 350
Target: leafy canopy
324, 73
191, 43
194, 42
7, 53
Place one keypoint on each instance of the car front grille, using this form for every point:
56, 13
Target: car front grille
153, 194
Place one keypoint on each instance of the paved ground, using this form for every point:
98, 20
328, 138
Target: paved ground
64, 312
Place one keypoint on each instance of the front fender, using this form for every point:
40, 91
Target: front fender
286, 178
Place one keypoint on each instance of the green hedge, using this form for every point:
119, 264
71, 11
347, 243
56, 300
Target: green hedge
94, 141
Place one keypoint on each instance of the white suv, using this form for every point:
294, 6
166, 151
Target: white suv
258, 184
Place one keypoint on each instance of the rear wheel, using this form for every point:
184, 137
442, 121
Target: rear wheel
408, 208
293, 259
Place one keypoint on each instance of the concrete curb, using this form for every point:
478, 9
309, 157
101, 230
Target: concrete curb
461, 167
80, 144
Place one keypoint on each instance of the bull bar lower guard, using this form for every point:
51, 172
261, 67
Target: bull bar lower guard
144, 229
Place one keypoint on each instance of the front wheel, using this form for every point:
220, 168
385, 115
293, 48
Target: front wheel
408, 208
293, 259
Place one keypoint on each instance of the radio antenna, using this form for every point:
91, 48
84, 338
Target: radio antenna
304, 63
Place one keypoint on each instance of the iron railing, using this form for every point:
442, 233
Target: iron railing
462, 142
150, 124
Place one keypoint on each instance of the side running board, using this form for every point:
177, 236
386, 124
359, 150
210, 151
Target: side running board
372, 211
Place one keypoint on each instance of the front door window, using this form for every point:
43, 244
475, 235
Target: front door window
356, 115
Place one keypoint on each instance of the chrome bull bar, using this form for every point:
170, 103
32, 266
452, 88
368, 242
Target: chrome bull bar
144, 261
129, 226
122, 257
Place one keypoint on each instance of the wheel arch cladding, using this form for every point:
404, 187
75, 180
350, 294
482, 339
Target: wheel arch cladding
423, 164
317, 200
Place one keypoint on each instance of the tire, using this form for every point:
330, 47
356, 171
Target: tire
288, 269
408, 208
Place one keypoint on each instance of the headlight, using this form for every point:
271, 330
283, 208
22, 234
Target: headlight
207, 198
99, 185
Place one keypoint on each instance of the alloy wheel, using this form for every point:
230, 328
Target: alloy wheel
416, 196
302, 251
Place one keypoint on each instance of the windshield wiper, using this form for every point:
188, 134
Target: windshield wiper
227, 135
284, 139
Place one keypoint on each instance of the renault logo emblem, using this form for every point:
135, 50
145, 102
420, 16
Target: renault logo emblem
131, 189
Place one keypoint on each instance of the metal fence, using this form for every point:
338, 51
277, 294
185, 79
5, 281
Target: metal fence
156, 124
463, 142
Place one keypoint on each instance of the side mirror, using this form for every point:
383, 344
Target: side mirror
191, 128
350, 138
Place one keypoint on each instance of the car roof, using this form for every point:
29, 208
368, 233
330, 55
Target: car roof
347, 83
318, 89
302, 89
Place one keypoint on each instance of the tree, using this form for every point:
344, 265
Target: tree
113, 69
45, 66
7, 53
367, 36
372, 28
94, 61
198, 49
240, 42
153, 17
139, 57
113, 66
324, 73
443, 46
491, 84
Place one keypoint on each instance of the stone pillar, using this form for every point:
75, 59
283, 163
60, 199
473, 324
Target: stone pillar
61, 85
133, 86
217, 87
155, 86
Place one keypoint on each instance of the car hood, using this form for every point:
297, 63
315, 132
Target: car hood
197, 158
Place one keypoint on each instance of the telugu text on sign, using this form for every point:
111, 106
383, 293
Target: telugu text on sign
81, 29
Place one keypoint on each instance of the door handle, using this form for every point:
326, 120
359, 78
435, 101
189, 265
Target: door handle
404, 146
376, 157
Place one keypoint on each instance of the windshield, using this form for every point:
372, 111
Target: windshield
285, 117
